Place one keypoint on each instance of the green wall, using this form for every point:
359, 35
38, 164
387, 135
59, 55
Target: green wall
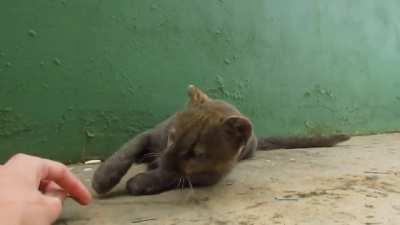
79, 77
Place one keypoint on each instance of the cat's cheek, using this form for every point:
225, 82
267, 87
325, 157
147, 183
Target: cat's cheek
188, 168
191, 167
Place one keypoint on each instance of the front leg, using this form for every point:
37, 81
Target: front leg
152, 182
110, 172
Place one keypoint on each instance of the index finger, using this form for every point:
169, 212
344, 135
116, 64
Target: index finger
44, 169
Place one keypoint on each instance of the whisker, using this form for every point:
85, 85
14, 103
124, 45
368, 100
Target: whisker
191, 193
149, 156
152, 154
179, 183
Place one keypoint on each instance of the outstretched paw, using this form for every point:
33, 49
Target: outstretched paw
151, 182
140, 184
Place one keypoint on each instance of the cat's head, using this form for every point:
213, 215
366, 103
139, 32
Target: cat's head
206, 138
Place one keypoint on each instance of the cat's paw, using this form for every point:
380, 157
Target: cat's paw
143, 184
104, 179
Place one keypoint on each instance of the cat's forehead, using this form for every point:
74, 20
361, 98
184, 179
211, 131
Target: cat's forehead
194, 122
203, 117
222, 107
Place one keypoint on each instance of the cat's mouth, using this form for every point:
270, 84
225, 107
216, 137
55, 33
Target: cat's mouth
204, 179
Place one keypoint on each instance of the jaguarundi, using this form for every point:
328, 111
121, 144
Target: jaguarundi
195, 147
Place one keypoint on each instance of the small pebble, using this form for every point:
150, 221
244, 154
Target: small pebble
57, 61
90, 162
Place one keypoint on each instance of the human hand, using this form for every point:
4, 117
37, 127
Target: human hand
32, 190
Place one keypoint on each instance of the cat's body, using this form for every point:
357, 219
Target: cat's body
197, 146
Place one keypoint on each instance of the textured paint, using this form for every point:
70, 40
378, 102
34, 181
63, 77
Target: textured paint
77, 78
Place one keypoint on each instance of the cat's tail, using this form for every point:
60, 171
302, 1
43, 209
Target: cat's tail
272, 143
110, 172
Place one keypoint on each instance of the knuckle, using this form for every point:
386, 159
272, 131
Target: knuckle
19, 156
63, 169
53, 205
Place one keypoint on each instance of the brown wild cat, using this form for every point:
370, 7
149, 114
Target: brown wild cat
198, 146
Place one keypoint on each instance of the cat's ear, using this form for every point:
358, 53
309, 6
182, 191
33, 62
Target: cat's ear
196, 95
238, 127
171, 137
171, 140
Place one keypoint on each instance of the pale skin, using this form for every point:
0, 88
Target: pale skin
32, 190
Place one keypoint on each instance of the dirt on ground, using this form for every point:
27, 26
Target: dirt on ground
357, 182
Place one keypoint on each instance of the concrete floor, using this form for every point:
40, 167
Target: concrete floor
357, 182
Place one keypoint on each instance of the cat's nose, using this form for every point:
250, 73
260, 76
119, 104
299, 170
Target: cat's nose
187, 171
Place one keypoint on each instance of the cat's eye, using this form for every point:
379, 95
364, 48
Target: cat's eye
199, 152
194, 155
201, 155
188, 155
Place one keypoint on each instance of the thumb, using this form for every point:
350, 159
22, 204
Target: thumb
53, 205
53, 196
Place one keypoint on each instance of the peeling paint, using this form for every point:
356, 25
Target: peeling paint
89, 134
227, 61
319, 92
32, 33
320, 128
57, 61
235, 90
13, 124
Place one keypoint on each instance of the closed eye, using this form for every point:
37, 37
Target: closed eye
201, 156
194, 155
